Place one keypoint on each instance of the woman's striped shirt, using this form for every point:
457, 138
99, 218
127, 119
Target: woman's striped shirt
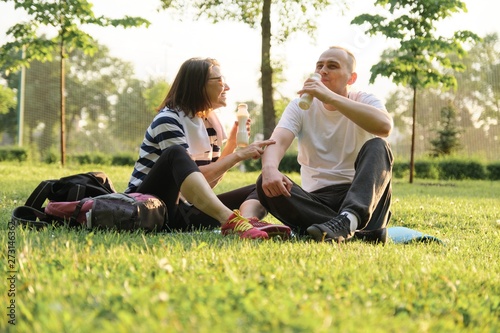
167, 130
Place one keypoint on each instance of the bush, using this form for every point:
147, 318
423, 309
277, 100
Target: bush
91, 158
101, 158
448, 169
493, 171
81, 159
13, 154
426, 170
124, 159
51, 157
400, 169
442, 169
252, 165
459, 170
288, 164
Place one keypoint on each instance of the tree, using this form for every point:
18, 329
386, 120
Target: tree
292, 16
479, 91
66, 17
476, 101
154, 93
7, 110
7, 99
421, 59
95, 87
448, 139
135, 109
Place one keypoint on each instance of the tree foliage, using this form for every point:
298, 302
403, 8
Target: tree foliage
8, 112
155, 92
66, 18
7, 99
422, 57
278, 19
101, 115
476, 102
479, 91
448, 134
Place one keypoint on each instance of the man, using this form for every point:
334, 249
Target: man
346, 166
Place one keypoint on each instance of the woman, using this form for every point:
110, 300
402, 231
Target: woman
181, 158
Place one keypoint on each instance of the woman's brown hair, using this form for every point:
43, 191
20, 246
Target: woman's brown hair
188, 92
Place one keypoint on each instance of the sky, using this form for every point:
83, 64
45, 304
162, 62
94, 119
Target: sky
158, 51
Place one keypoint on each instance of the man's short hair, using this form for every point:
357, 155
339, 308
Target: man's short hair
349, 53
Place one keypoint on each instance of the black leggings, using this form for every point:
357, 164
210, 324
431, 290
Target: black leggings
164, 181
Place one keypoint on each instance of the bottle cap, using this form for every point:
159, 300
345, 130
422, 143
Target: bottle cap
243, 108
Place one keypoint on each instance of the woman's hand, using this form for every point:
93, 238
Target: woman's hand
232, 134
253, 150
234, 130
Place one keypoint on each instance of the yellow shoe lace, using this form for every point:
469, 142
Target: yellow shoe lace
242, 223
256, 220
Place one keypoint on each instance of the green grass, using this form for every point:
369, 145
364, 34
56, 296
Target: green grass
79, 281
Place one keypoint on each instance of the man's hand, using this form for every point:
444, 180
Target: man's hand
274, 183
317, 89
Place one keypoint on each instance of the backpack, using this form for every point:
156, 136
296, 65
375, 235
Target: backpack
90, 201
71, 188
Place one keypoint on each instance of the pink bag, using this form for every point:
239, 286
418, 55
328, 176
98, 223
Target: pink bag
117, 211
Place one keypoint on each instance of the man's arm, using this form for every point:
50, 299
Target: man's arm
371, 119
274, 183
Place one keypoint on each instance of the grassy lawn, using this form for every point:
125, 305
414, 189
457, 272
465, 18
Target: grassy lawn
79, 281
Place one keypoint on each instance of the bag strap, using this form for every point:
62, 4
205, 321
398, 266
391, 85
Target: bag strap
32, 217
73, 219
45, 188
29, 216
40, 194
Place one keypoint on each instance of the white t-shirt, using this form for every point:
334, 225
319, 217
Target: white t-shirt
328, 141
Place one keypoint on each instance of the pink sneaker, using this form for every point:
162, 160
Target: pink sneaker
271, 229
237, 224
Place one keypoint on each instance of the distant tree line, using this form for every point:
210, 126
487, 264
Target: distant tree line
107, 108
474, 118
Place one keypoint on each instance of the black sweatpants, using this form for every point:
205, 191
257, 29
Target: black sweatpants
164, 181
368, 197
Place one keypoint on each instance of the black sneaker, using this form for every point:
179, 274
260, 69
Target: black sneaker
338, 229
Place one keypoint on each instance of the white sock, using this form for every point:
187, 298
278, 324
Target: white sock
353, 219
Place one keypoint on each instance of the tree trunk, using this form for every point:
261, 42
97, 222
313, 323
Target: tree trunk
268, 111
414, 120
63, 106
21, 92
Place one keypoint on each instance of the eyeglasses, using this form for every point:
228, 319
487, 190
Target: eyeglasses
221, 79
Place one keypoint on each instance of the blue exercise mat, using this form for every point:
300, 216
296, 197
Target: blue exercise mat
405, 235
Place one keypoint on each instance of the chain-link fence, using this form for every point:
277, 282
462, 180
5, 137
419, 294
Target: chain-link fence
107, 109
